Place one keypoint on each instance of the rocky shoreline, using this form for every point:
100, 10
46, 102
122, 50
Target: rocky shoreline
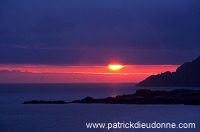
146, 96
142, 96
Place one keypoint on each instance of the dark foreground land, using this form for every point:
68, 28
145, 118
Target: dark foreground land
142, 96
145, 96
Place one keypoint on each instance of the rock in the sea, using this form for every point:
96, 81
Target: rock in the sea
44, 102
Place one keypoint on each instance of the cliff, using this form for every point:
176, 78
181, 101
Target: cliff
187, 75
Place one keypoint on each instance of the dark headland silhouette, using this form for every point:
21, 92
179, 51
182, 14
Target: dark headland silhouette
187, 75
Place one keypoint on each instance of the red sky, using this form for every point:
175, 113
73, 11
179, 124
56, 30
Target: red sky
79, 74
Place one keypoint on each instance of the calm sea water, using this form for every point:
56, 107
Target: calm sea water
17, 117
17, 93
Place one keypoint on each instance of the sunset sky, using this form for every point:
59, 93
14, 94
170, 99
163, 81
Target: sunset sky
47, 41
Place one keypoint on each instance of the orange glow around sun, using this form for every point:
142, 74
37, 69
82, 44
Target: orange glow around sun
115, 67
113, 73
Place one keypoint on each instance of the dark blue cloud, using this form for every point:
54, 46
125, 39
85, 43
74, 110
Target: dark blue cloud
94, 56
96, 32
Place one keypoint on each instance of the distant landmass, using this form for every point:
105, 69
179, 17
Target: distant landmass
187, 75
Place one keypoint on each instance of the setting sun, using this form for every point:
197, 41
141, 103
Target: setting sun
115, 67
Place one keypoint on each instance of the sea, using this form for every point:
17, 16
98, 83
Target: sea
18, 117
